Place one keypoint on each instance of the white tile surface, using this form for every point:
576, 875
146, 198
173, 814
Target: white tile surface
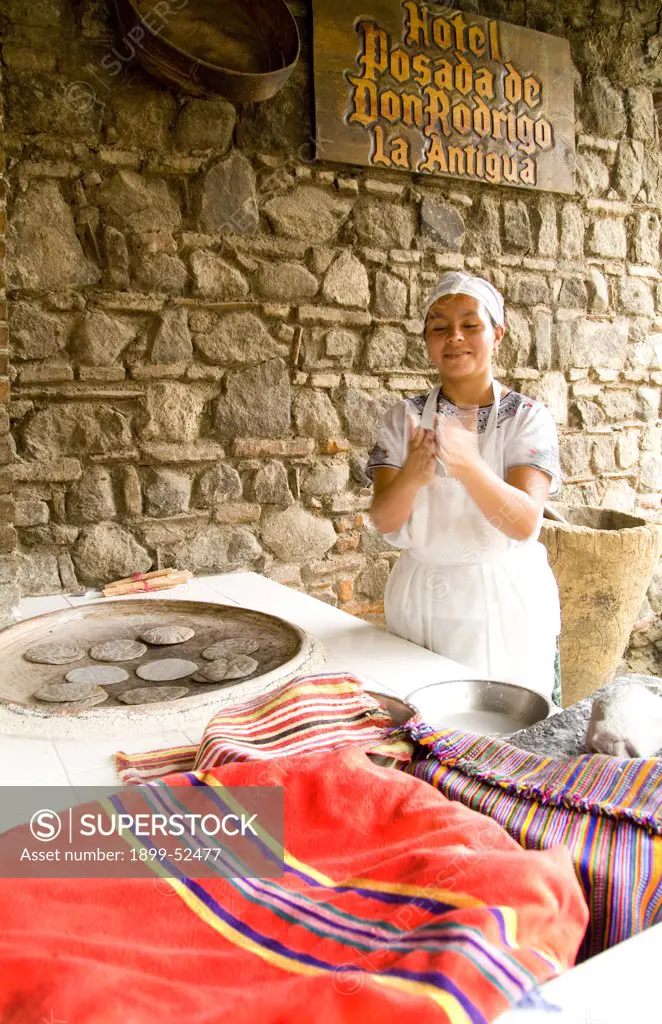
31, 606
27, 761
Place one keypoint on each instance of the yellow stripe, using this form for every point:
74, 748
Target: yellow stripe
447, 1002
453, 899
454, 1010
286, 698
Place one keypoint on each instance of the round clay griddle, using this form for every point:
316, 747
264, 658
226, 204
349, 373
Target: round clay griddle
283, 646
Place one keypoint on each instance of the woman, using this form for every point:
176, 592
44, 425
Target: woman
460, 479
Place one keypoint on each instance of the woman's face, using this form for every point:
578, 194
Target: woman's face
461, 338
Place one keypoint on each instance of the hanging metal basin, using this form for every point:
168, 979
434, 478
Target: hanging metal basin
244, 50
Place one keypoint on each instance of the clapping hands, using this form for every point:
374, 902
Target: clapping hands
456, 442
421, 460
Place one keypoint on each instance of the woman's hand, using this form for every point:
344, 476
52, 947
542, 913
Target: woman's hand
457, 446
421, 460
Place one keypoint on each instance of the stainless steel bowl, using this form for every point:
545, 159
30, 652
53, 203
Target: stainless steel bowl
479, 705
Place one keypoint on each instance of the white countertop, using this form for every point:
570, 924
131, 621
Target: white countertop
605, 990
381, 661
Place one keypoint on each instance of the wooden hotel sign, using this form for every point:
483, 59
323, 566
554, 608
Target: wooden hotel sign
423, 88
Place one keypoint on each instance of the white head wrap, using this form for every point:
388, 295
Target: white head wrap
457, 283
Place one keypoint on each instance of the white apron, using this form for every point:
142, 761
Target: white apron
464, 589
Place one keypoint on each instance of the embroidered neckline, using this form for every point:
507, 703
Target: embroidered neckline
508, 406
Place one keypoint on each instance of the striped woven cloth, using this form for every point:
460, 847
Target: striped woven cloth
394, 905
606, 811
310, 714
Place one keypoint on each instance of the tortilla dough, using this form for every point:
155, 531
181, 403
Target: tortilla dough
235, 667
162, 635
99, 675
54, 654
225, 648
152, 694
117, 650
56, 693
166, 669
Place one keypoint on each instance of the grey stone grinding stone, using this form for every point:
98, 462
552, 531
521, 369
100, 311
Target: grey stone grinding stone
564, 734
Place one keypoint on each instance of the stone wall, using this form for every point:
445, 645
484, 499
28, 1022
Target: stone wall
9, 592
206, 325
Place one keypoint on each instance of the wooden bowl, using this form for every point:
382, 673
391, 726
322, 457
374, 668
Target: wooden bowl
244, 50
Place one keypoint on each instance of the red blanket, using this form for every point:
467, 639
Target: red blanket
395, 904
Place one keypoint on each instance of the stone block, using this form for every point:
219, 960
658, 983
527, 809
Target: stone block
237, 337
217, 485
629, 173
288, 448
517, 225
346, 282
528, 289
35, 334
575, 453
442, 225
627, 449
166, 492
52, 470
44, 250
271, 486
256, 402
308, 213
214, 278
548, 234
636, 297
650, 473
205, 124
572, 231
143, 115
607, 237
641, 108
315, 416
108, 552
295, 535
174, 412
325, 476
213, 548
598, 343
171, 340
515, 348
598, 291
100, 339
383, 225
139, 202
592, 174
75, 428
604, 108
372, 582
647, 239
160, 272
386, 348
604, 454
619, 405
237, 512
286, 282
363, 413
171, 452
91, 499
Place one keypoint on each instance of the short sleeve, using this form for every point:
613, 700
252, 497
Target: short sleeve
389, 449
533, 441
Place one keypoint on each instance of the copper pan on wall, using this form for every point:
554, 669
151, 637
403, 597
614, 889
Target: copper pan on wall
244, 50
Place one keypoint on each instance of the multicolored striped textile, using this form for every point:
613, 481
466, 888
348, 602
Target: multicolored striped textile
312, 713
395, 905
606, 811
